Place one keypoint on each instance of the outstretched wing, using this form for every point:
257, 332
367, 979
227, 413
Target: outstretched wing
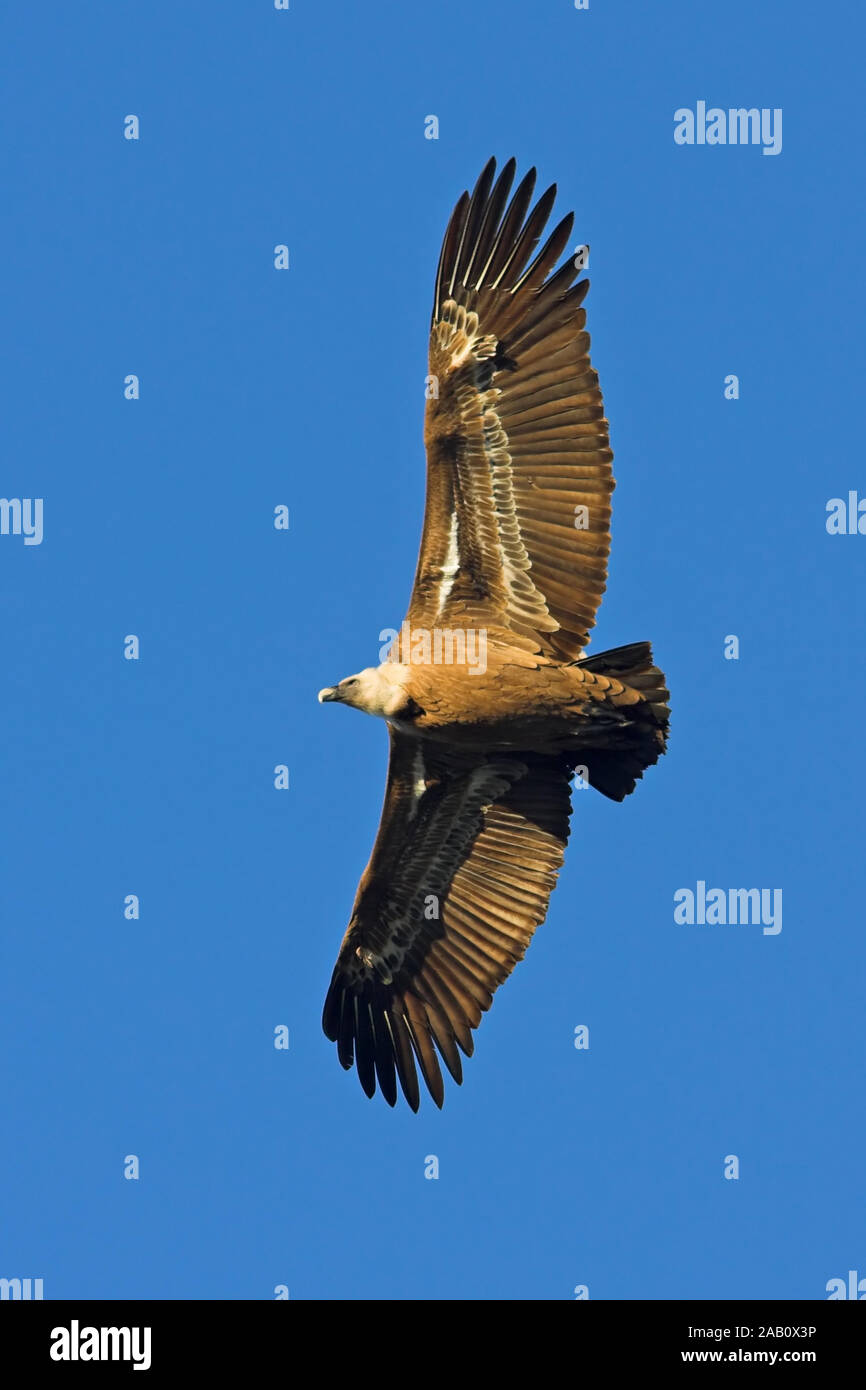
465, 859
517, 520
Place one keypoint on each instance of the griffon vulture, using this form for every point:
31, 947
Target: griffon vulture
513, 563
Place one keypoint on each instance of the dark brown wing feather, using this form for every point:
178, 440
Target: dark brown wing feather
459, 878
518, 453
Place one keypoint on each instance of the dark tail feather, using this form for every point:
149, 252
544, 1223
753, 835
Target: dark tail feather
614, 772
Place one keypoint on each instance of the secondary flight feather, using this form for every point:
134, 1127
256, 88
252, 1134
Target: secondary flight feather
491, 704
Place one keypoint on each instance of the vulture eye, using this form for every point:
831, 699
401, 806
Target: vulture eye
352, 681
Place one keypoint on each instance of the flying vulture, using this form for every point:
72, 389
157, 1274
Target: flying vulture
492, 708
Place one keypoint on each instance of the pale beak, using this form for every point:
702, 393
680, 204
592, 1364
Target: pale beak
330, 692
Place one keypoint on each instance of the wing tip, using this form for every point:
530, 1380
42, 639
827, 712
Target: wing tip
376, 1038
484, 239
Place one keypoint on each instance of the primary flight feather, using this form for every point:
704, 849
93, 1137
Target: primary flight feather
490, 704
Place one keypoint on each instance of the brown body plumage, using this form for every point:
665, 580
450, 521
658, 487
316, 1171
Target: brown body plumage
490, 702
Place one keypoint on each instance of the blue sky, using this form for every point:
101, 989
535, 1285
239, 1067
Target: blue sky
154, 777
